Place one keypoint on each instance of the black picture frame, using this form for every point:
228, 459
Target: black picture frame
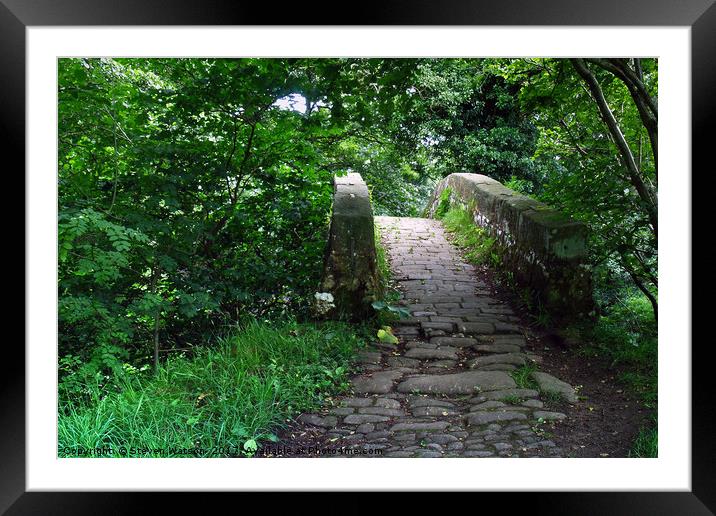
17, 15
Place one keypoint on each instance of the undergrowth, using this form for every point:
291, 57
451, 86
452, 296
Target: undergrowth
386, 306
626, 335
224, 401
478, 246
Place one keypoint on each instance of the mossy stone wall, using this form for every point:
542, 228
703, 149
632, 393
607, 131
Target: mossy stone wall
543, 248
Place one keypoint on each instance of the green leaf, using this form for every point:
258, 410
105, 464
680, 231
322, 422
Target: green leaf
385, 334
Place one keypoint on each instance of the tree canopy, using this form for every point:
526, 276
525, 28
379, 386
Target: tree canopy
193, 192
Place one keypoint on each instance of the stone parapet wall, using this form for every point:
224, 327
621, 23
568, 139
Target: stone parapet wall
543, 248
350, 273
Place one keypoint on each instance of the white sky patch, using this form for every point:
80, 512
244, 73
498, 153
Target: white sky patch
293, 102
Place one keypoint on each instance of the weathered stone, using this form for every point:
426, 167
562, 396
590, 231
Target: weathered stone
481, 418
518, 340
429, 272
383, 434
350, 270
549, 384
496, 367
487, 405
402, 362
503, 358
420, 344
399, 454
501, 327
505, 394
357, 402
429, 402
457, 342
443, 438
477, 453
544, 248
498, 348
359, 419
426, 354
365, 428
532, 403
543, 414
316, 420
380, 411
433, 411
378, 383
420, 427
368, 357
445, 326
388, 403
428, 453
342, 411
476, 328
458, 383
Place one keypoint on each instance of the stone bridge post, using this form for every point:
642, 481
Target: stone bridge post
350, 273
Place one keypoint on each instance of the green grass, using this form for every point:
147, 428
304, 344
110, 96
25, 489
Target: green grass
646, 444
478, 246
444, 204
512, 400
387, 311
234, 396
523, 376
388, 291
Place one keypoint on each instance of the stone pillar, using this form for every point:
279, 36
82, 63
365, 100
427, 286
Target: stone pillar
350, 273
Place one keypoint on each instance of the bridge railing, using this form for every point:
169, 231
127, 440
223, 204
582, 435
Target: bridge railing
543, 248
350, 273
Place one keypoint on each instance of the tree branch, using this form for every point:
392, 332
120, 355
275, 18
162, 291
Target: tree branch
635, 176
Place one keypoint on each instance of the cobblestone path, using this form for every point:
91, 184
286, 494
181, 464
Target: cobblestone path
447, 389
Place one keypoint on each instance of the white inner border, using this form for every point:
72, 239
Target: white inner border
671, 471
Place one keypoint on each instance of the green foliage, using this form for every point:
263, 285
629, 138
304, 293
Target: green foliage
523, 376
235, 395
444, 203
385, 334
512, 400
578, 167
386, 306
522, 186
646, 444
627, 336
396, 188
479, 247
188, 198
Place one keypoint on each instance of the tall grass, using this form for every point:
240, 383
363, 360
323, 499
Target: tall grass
221, 402
478, 246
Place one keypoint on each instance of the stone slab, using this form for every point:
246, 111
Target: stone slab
468, 382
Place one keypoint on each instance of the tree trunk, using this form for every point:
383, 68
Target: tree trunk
633, 171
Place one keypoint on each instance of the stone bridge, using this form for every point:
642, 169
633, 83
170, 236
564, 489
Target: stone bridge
542, 249
466, 376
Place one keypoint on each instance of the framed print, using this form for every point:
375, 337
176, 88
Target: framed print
260, 236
